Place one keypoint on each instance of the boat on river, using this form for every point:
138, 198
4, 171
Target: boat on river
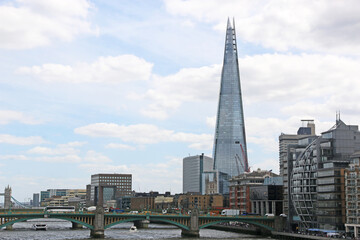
133, 229
39, 226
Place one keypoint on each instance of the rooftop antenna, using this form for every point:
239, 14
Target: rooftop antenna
338, 115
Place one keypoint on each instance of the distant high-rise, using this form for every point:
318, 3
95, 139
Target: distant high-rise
230, 140
36, 201
115, 186
193, 168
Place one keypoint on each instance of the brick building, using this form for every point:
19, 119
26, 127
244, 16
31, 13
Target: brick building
202, 202
239, 190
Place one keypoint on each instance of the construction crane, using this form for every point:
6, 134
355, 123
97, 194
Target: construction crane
237, 160
244, 164
247, 169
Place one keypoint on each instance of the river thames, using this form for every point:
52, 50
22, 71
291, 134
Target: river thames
59, 230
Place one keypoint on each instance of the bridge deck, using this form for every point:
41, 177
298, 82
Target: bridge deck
111, 219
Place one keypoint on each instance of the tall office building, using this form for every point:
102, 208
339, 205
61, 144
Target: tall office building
115, 186
36, 200
230, 142
287, 145
316, 187
193, 169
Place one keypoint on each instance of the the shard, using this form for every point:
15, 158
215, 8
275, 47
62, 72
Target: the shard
230, 152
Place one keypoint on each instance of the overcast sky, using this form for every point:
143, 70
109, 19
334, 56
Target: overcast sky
131, 86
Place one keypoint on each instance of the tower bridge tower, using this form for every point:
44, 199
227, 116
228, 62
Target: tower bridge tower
7, 197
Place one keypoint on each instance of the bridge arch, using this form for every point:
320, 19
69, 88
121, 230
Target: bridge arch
123, 221
258, 224
40, 217
174, 223
179, 225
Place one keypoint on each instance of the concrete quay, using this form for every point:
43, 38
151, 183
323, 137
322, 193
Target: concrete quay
274, 234
295, 236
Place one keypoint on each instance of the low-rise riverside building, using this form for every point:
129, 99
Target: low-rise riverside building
239, 190
150, 201
267, 198
142, 203
199, 201
72, 197
162, 202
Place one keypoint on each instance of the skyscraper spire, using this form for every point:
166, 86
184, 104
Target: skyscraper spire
230, 139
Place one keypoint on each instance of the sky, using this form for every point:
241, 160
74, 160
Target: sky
131, 86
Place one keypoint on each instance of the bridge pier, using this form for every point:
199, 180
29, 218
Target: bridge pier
262, 231
190, 233
9, 227
98, 231
194, 225
76, 225
280, 223
141, 224
99, 225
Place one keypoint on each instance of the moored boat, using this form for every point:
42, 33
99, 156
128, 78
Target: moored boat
39, 226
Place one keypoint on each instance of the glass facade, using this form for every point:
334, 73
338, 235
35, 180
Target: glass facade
121, 182
193, 168
230, 142
316, 186
303, 185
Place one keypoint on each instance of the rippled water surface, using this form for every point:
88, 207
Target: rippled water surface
59, 230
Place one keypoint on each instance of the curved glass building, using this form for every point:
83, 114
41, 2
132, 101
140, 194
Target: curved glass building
317, 190
303, 185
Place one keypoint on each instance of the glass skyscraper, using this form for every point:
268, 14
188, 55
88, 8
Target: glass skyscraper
230, 154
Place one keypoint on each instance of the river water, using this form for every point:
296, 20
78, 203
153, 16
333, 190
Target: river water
60, 230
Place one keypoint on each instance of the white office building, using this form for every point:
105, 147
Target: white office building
193, 168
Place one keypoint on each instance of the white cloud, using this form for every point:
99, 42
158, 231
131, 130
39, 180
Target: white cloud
66, 153
266, 164
265, 131
142, 134
35, 184
211, 122
109, 69
188, 85
202, 145
32, 23
13, 157
120, 146
10, 139
265, 79
60, 149
67, 158
94, 168
7, 116
73, 144
293, 78
52, 151
62, 153
59, 159
282, 25
164, 176
266, 143
92, 156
